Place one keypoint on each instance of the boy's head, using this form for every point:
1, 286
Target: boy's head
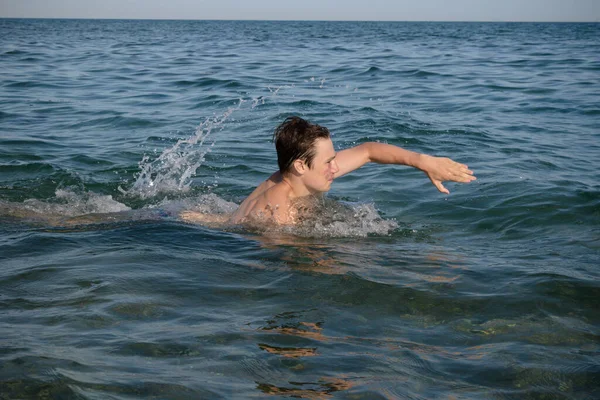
295, 139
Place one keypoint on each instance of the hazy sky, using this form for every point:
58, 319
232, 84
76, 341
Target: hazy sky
398, 10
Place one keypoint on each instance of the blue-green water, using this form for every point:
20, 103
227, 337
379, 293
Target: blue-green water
109, 128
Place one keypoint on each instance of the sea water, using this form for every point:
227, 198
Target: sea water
109, 129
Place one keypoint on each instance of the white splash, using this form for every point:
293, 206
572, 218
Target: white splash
173, 169
338, 219
66, 203
205, 203
332, 218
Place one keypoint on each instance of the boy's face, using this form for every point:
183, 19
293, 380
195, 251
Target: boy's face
319, 176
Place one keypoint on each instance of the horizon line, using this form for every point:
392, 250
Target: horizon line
305, 20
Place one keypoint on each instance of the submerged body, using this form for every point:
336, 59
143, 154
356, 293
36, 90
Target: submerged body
310, 172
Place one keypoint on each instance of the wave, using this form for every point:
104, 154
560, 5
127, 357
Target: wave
32, 84
209, 82
116, 121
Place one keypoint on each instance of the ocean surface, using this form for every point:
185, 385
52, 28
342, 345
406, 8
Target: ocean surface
110, 128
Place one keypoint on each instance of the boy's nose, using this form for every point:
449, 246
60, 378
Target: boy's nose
335, 166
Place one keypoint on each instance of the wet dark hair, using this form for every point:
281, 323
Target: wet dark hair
295, 140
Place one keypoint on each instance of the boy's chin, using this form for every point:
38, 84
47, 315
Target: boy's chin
326, 189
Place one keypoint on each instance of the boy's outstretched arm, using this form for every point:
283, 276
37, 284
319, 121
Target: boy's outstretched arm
438, 169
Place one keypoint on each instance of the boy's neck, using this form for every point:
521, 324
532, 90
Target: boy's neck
296, 186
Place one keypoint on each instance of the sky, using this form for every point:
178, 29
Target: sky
369, 10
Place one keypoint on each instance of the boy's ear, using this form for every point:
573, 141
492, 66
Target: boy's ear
300, 166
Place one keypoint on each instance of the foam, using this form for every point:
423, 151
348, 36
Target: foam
324, 217
208, 203
342, 219
67, 203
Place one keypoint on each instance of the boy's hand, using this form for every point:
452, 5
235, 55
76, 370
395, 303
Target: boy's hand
440, 169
